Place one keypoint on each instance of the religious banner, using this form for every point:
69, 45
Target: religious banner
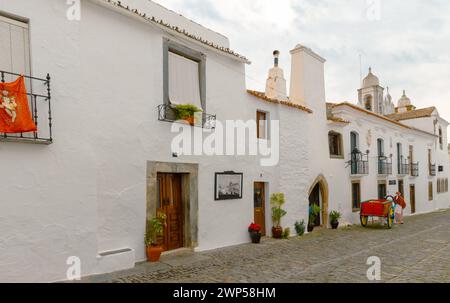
15, 114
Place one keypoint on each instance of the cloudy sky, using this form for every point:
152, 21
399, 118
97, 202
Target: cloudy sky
407, 43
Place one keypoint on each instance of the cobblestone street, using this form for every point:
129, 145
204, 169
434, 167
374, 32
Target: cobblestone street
415, 252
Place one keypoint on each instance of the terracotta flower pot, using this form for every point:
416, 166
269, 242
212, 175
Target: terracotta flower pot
154, 253
191, 120
256, 237
277, 232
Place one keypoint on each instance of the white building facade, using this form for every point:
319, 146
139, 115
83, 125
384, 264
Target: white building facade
103, 161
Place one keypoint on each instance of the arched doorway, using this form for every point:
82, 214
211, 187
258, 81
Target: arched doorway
318, 194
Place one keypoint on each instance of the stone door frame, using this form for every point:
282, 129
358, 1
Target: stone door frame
189, 184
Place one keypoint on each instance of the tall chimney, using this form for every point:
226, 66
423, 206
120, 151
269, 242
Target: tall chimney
307, 78
276, 83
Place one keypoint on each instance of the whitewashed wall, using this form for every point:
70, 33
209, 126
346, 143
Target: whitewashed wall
86, 193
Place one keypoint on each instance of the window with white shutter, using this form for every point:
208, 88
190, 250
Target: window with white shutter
14, 47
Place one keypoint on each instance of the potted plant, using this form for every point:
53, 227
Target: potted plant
300, 228
255, 233
155, 229
277, 200
334, 219
314, 211
186, 112
286, 233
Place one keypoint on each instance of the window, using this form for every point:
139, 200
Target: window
261, 125
184, 76
430, 191
380, 146
441, 139
356, 195
368, 103
354, 141
14, 47
442, 185
335, 144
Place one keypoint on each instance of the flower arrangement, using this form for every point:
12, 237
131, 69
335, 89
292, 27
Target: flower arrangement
186, 112
255, 233
254, 228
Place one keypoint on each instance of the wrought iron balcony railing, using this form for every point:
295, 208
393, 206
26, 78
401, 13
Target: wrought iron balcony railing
415, 169
384, 166
403, 169
432, 170
359, 163
167, 113
39, 99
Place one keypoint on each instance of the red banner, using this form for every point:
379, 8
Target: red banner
15, 115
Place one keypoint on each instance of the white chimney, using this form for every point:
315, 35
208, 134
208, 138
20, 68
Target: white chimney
307, 78
276, 83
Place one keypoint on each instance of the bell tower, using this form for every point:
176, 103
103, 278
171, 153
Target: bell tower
371, 94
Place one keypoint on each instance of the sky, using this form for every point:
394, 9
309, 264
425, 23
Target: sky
407, 43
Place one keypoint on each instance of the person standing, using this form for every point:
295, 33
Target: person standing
399, 209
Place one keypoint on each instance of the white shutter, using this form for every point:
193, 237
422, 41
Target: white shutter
184, 81
14, 47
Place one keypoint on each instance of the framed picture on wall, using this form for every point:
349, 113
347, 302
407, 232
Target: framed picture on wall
228, 186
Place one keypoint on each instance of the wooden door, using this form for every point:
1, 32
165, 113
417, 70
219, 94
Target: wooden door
260, 206
170, 204
412, 197
401, 188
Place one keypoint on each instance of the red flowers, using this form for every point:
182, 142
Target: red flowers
254, 228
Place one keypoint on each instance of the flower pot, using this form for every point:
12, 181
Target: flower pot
256, 237
335, 225
154, 253
310, 228
277, 232
190, 120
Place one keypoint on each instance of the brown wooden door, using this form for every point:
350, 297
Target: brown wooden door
170, 204
412, 197
260, 206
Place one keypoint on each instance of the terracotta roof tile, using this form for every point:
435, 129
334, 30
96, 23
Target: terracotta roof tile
353, 106
262, 96
414, 114
181, 31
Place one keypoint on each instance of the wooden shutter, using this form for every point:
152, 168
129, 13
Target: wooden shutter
14, 47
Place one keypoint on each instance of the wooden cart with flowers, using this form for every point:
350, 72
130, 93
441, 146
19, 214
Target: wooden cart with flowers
384, 208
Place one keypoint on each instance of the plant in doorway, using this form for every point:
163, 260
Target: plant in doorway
155, 229
334, 219
300, 228
186, 112
277, 201
255, 233
314, 212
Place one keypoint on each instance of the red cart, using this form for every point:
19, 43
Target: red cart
378, 208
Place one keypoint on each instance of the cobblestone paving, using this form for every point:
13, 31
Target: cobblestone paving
418, 251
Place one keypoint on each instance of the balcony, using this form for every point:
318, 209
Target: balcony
403, 169
39, 102
359, 163
415, 169
167, 113
432, 170
384, 166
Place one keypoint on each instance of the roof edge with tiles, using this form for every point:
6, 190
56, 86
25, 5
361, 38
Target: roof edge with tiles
171, 28
355, 107
262, 96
